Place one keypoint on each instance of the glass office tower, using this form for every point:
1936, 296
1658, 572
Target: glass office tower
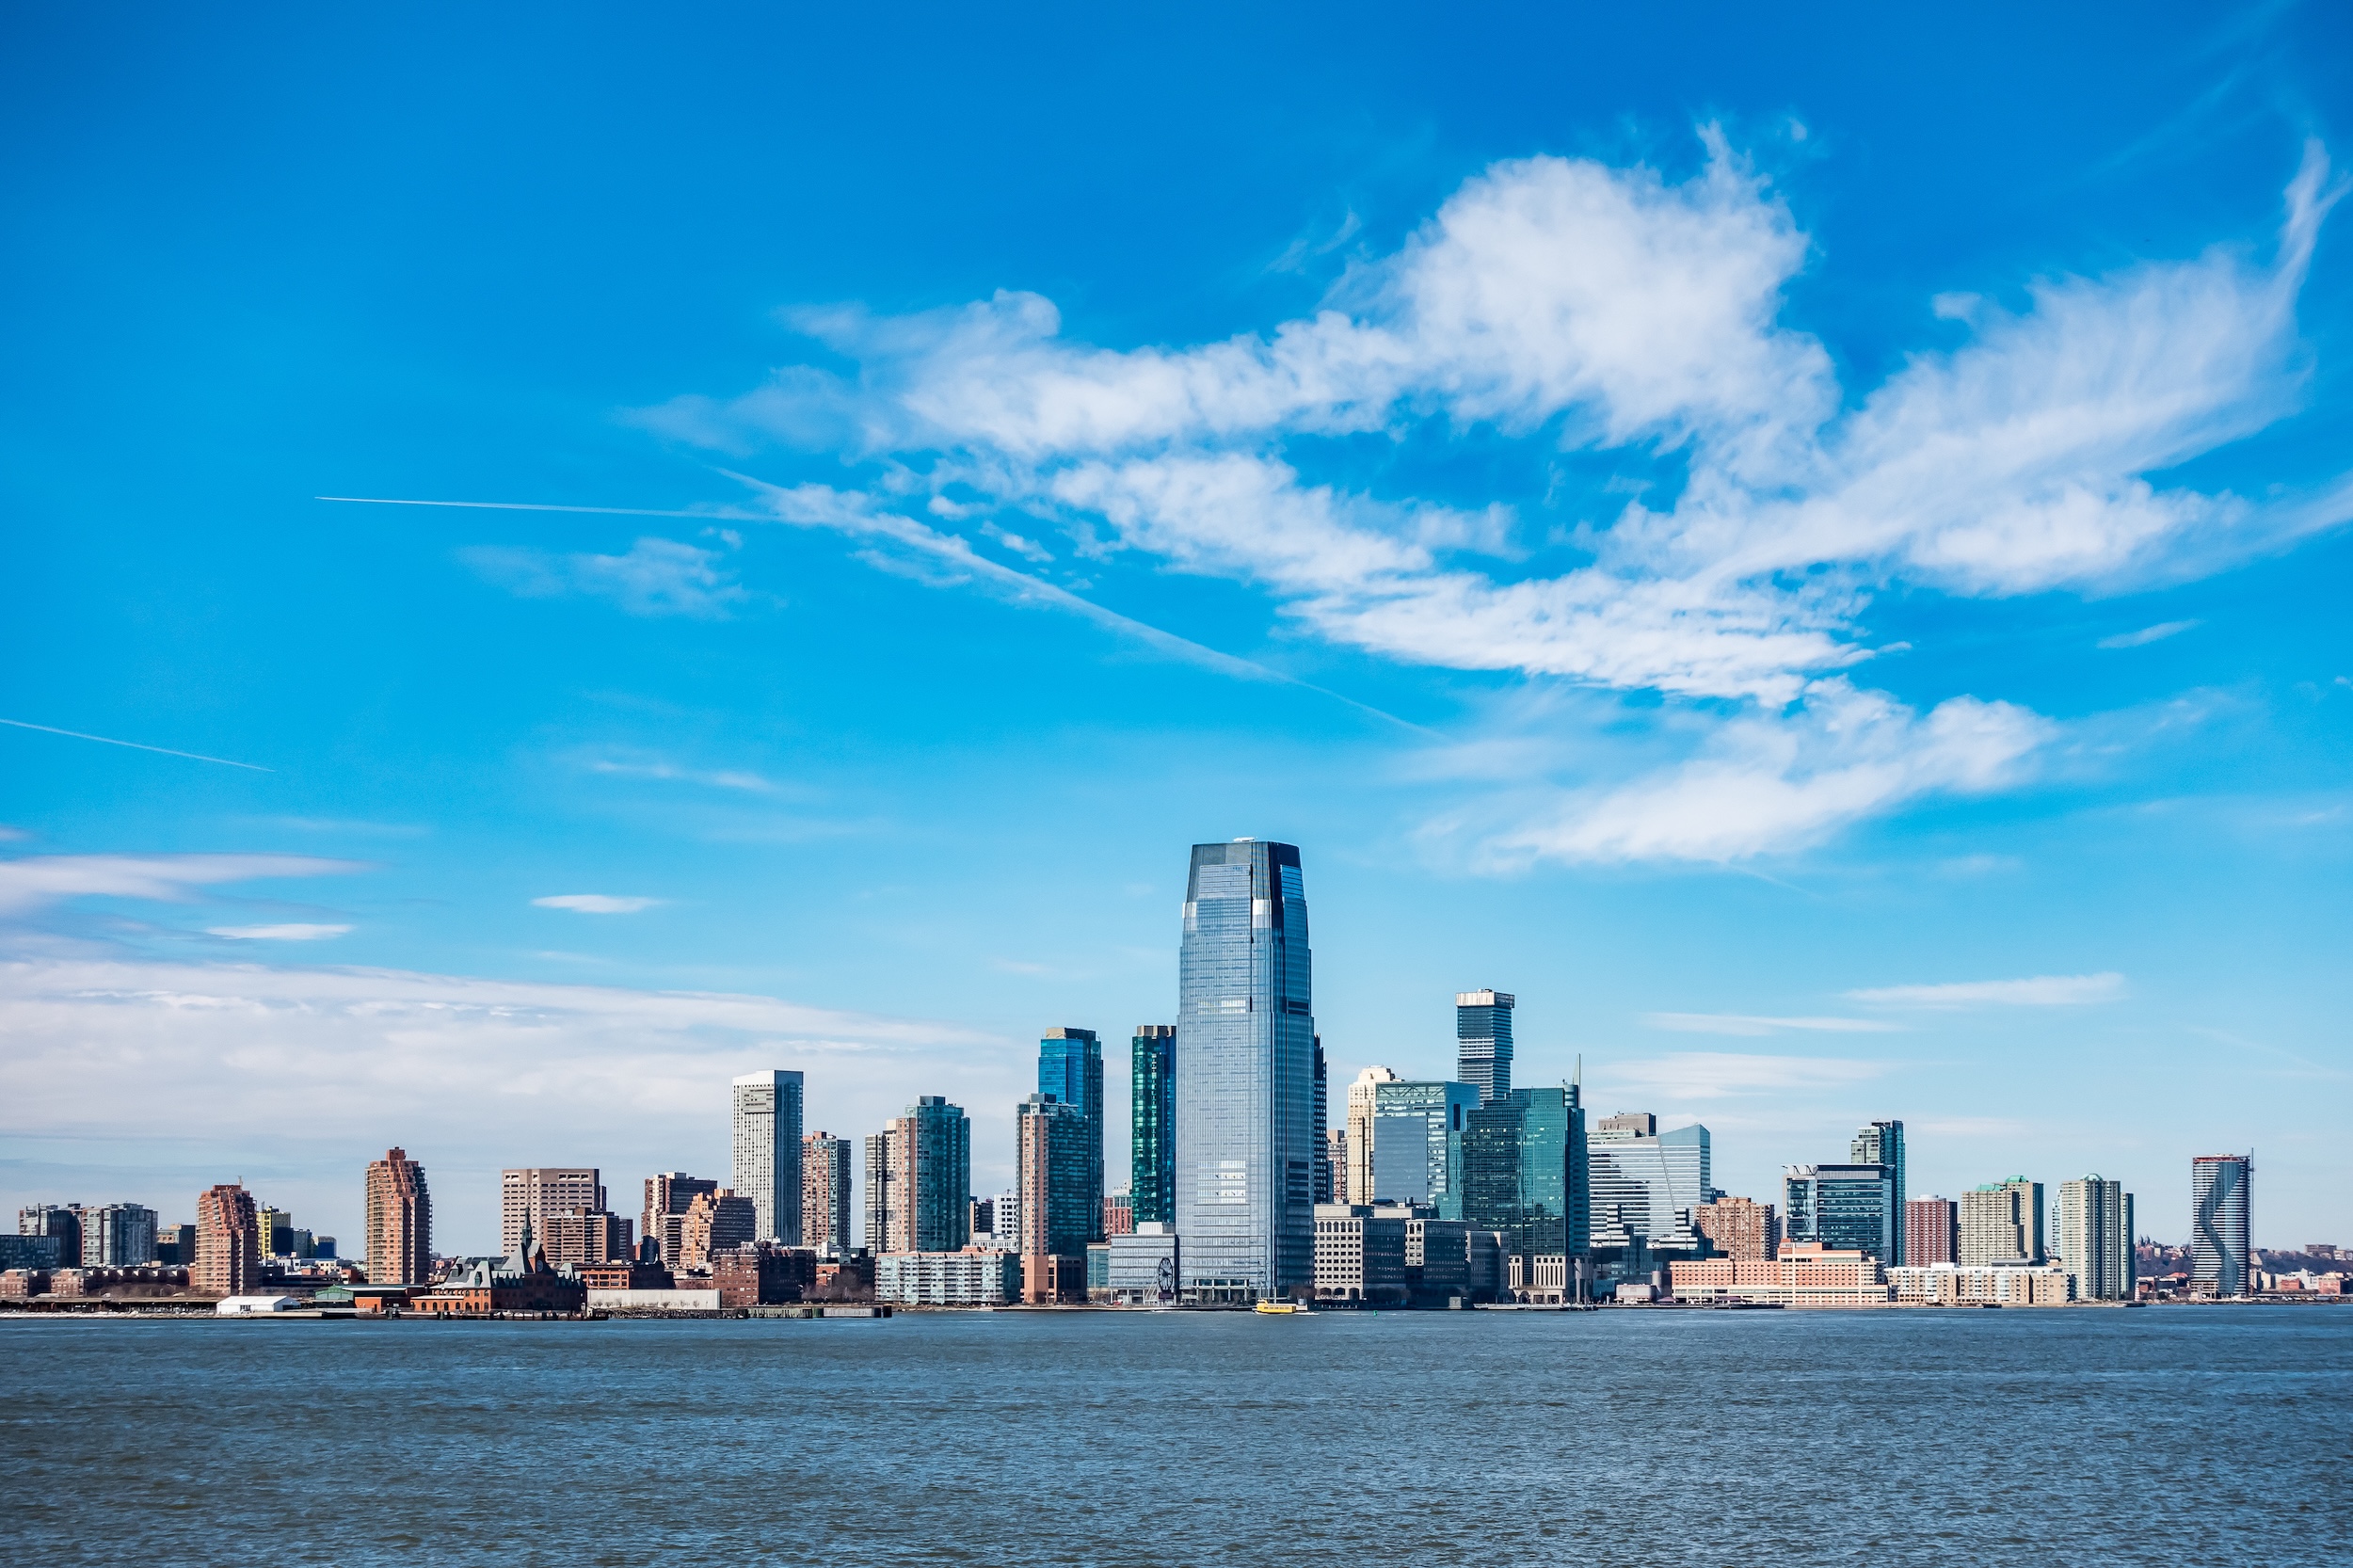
1842, 1207
1245, 1076
2219, 1225
1524, 1172
1417, 1143
1482, 1042
1646, 1186
1152, 1124
1070, 1068
1883, 1144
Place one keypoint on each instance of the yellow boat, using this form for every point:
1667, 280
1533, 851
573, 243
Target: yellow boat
1282, 1308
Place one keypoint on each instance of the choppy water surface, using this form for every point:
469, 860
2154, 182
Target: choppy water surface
2185, 1435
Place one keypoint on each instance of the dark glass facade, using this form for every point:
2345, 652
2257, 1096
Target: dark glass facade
1152, 1124
1245, 1076
1070, 1068
1883, 1144
1050, 1148
1482, 1042
1842, 1207
1323, 1126
1417, 1143
940, 1209
1524, 1172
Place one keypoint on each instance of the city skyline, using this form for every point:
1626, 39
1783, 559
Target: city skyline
1829, 597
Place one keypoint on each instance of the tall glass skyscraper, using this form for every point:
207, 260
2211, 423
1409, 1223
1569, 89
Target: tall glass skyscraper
765, 1161
1152, 1125
1245, 1076
1883, 1144
1524, 1172
1070, 1068
1644, 1183
1417, 1143
2219, 1225
1482, 1042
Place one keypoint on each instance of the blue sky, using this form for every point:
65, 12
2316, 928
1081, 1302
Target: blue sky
1815, 555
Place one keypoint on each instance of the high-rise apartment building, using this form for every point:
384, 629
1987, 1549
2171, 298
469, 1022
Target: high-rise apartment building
2220, 1227
1524, 1172
1843, 1207
1050, 1139
2002, 1222
275, 1228
1742, 1229
1070, 1068
715, 1222
1883, 1144
919, 1179
2095, 1238
1246, 1075
1482, 1042
889, 1185
1322, 1115
1932, 1232
1417, 1143
1643, 1184
667, 1198
118, 1236
60, 1222
228, 1248
1152, 1124
530, 1193
583, 1235
765, 1140
398, 1235
826, 1192
1358, 1133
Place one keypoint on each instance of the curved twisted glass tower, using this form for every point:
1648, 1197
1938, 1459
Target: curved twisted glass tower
1245, 1076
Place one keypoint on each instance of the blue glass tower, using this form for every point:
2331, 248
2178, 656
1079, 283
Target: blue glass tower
1245, 1076
1070, 1068
1152, 1128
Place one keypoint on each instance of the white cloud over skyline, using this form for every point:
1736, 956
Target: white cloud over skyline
1567, 304
596, 904
2050, 990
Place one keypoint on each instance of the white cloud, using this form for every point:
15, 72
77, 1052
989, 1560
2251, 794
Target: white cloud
1747, 1024
595, 903
719, 778
1684, 1076
2050, 990
277, 933
1773, 783
309, 1072
657, 576
2147, 635
1562, 302
36, 880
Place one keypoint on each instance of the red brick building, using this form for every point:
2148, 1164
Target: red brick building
763, 1273
228, 1242
399, 1237
524, 1283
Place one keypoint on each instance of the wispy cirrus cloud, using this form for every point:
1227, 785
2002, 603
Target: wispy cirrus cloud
2050, 990
2147, 635
1685, 1075
596, 904
36, 880
1563, 303
289, 933
655, 577
1748, 1024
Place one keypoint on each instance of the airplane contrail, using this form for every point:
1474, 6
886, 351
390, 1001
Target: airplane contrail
917, 536
138, 746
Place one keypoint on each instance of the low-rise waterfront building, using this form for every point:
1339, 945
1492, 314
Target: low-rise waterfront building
762, 1273
1142, 1266
1542, 1279
971, 1276
522, 1282
1981, 1285
1360, 1254
1804, 1273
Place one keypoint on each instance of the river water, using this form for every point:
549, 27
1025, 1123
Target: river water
2190, 1435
